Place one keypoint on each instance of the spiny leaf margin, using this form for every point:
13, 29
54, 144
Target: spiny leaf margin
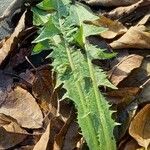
65, 28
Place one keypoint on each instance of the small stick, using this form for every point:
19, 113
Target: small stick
142, 86
30, 63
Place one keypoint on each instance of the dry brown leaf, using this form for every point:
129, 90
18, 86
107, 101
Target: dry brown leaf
145, 94
69, 135
43, 142
121, 12
28, 76
47, 138
115, 28
9, 44
11, 133
140, 127
65, 109
111, 2
145, 19
14, 5
5, 86
81, 144
123, 95
30, 141
142, 148
19, 58
43, 89
131, 145
124, 68
72, 137
20, 105
136, 37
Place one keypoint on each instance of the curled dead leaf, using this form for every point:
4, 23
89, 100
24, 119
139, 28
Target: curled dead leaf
124, 68
135, 37
20, 105
140, 127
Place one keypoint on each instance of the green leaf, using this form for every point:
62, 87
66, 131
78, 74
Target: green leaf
47, 5
48, 32
101, 78
86, 30
75, 71
82, 13
40, 17
79, 38
89, 29
41, 46
53, 5
95, 52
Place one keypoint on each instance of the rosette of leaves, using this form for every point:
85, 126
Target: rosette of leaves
64, 28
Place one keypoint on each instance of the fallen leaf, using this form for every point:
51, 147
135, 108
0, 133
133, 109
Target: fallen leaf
43, 89
135, 37
140, 127
120, 56
10, 43
5, 86
144, 20
124, 68
72, 137
121, 12
115, 28
43, 142
81, 144
136, 78
124, 117
30, 141
13, 6
65, 109
11, 133
145, 94
131, 145
68, 136
21, 105
110, 2
19, 58
2, 43
28, 76
123, 95
47, 139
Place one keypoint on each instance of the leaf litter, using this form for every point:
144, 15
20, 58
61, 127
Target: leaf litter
29, 102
